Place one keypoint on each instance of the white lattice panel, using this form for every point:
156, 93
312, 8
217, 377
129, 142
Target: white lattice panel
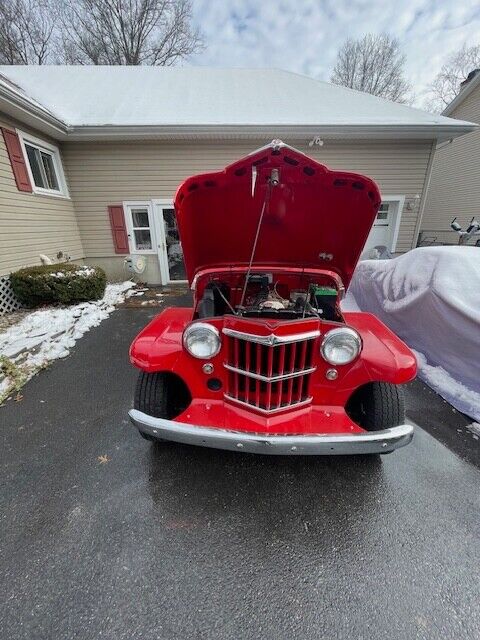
8, 301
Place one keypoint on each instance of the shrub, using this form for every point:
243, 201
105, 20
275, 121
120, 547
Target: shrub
64, 282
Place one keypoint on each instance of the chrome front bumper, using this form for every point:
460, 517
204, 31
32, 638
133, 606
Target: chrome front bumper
338, 444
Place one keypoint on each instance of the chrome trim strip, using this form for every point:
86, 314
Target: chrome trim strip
254, 407
272, 340
258, 376
316, 444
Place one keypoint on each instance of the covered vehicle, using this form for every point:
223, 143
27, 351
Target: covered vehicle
265, 361
430, 297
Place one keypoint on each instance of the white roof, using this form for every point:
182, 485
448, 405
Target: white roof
100, 96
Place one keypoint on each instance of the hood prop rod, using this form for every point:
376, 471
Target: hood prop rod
273, 180
223, 297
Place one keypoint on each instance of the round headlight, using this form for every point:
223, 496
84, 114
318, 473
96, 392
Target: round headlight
341, 346
201, 340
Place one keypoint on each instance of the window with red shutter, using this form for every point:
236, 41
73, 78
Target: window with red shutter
119, 231
17, 160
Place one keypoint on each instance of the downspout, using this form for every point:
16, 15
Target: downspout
423, 201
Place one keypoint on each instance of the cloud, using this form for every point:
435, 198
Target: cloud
304, 35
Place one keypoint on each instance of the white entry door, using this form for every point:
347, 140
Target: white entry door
385, 228
170, 254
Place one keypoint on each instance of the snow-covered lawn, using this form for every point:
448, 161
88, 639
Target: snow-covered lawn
430, 297
48, 334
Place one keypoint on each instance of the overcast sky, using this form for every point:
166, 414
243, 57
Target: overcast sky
303, 35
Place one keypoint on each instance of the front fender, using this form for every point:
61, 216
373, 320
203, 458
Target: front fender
384, 356
159, 347
159, 344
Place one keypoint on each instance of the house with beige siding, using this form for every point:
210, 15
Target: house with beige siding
455, 182
90, 157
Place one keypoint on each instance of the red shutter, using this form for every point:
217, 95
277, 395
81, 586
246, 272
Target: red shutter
17, 160
119, 231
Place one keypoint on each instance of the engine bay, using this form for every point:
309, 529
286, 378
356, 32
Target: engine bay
282, 296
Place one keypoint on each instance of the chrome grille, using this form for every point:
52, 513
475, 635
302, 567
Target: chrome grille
269, 373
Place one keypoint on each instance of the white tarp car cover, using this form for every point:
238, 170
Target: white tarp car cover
430, 297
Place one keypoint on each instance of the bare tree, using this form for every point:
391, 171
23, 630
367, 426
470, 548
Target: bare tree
446, 84
373, 64
26, 31
131, 32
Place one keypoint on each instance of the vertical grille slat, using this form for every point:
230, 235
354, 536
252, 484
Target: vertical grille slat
291, 366
269, 377
302, 352
269, 373
258, 348
236, 348
281, 369
248, 381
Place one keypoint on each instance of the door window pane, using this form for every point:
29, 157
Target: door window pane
140, 218
383, 211
143, 239
142, 234
174, 247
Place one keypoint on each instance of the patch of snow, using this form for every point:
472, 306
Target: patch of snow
430, 297
49, 334
82, 272
461, 397
4, 386
475, 428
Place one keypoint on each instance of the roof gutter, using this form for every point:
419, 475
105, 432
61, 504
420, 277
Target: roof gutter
107, 132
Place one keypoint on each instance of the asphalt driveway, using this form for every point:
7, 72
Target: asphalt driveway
105, 536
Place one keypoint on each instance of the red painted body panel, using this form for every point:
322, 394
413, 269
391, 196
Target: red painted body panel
315, 218
384, 357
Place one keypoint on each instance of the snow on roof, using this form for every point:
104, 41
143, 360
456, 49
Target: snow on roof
133, 96
7, 83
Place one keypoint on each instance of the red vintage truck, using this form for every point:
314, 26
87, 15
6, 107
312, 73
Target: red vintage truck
266, 361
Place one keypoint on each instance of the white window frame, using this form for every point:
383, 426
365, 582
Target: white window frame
57, 165
127, 211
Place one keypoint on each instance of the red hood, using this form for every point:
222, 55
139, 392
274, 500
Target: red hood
314, 218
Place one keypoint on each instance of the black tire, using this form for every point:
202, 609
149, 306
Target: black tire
377, 406
151, 397
151, 394
161, 395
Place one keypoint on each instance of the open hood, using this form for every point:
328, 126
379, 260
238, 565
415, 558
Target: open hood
313, 217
